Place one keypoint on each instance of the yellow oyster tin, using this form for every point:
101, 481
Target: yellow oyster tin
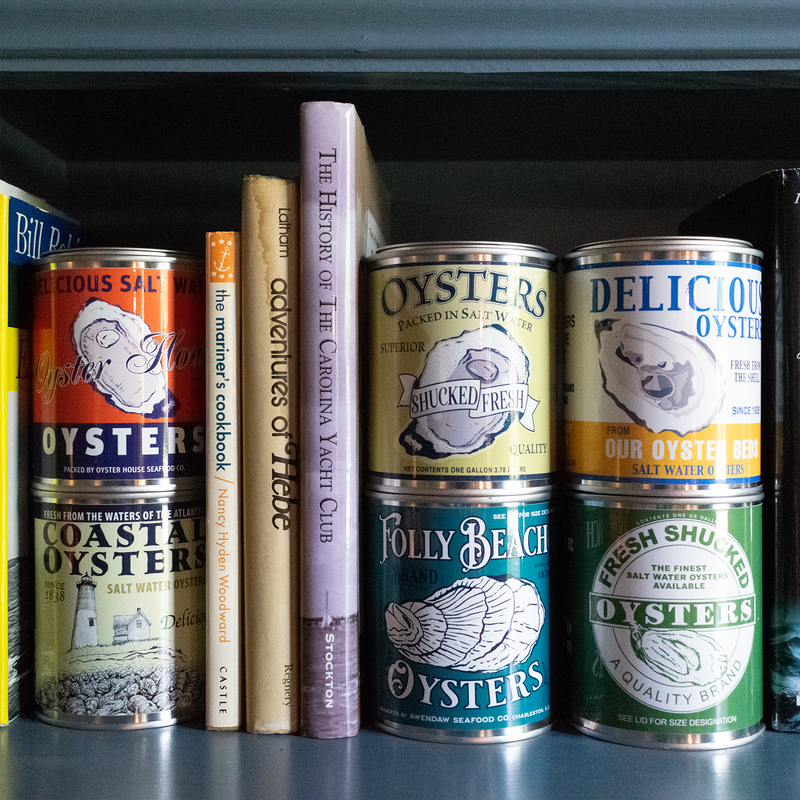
662, 366
459, 368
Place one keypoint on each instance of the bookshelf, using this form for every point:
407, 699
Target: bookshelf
549, 123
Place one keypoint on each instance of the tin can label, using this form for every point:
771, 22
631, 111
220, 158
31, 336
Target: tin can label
666, 623
662, 376
461, 372
120, 609
119, 374
458, 618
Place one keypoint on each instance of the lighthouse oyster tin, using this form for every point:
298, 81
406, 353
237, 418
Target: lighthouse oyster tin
119, 369
120, 608
459, 366
457, 617
665, 619
662, 366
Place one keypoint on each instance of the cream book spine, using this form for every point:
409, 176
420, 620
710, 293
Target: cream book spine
223, 484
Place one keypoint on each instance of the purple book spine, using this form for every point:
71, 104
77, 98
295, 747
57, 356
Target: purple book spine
329, 415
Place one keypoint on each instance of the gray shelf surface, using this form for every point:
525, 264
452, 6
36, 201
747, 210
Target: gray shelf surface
38, 760
459, 37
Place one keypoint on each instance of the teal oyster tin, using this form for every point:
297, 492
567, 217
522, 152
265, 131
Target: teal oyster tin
457, 617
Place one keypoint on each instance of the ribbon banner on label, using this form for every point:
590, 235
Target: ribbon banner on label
468, 395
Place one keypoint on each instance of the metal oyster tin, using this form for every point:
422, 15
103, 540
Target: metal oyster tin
456, 610
119, 369
662, 368
459, 365
120, 608
665, 617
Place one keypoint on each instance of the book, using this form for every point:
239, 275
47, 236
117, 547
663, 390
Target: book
223, 483
766, 212
271, 452
29, 228
344, 217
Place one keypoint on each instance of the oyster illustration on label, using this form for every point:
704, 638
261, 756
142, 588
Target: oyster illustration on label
682, 656
130, 378
470, 390
479, 624
663, 379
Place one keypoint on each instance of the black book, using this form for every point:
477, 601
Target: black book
766, 213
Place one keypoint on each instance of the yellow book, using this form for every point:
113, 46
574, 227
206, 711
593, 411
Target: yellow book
28, 228
270, 452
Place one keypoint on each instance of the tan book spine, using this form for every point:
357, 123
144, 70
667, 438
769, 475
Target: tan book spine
271, 452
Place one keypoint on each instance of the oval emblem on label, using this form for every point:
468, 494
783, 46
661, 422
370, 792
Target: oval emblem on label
673, 611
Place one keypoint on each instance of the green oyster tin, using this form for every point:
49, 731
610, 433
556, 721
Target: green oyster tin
457, 617
665, 620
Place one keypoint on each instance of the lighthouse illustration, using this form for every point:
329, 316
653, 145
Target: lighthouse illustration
84, 629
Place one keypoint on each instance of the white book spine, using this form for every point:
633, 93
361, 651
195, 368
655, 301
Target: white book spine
223, 646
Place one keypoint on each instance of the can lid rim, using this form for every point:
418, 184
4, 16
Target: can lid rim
116, 254
451, 248
664, 243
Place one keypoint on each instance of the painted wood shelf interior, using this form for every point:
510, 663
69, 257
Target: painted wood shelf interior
549, 123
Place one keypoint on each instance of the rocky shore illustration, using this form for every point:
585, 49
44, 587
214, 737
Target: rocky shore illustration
133, 675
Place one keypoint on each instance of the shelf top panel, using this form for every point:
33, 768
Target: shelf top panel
400, 37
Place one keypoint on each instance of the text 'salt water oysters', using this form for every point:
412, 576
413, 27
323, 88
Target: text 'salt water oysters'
662, 372
120, 608
118, 369
459, 361
457, 622
665, 619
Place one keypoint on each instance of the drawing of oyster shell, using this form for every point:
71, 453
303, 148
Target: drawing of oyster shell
106, 334
682, 656
663, 379
476, 625
487, 355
